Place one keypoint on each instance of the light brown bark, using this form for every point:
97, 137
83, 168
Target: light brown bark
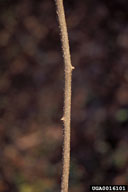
67, 94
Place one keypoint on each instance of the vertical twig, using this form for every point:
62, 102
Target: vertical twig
67, 94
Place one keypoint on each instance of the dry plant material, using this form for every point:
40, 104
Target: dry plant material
67, 94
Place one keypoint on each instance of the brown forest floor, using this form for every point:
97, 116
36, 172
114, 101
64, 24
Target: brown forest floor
31, 94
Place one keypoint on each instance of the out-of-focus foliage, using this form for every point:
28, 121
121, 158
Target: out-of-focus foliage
31, 94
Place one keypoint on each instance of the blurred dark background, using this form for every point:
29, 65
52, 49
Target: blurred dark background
32, 87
